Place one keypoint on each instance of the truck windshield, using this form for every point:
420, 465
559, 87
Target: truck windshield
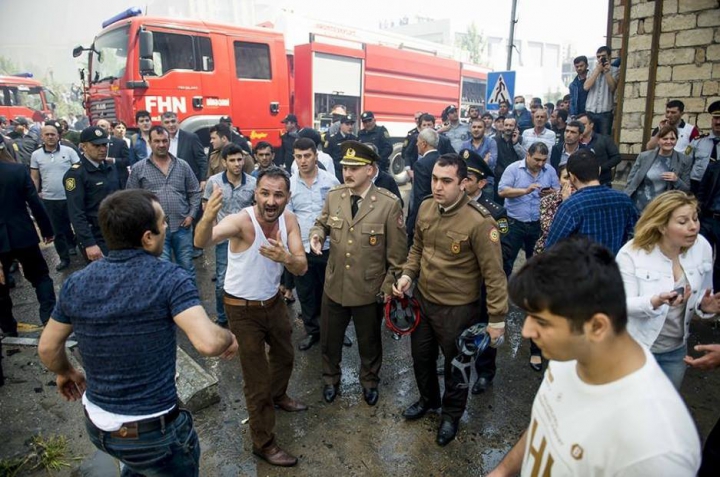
109, 63
28, 96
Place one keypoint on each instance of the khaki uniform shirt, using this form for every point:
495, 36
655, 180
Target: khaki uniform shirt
367, 252
454, 252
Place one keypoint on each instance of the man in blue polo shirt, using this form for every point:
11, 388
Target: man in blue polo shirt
600, 213
485, 147
238, 189
522, 185
124, 310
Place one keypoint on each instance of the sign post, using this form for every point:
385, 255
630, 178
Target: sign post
501, 87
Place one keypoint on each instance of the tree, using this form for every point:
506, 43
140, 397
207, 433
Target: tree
473, 42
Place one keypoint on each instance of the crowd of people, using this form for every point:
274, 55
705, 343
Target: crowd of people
611, 282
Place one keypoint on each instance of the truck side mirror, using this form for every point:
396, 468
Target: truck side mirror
146, 66
146, 44
77, 51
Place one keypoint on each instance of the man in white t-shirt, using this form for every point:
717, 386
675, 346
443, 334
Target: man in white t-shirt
604, 406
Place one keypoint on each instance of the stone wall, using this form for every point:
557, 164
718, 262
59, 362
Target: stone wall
687, 58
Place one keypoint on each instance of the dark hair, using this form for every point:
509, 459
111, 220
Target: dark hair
305, 143
142, 114
311, 134
567, 97
427, 117
273, 172
605, 49
486, 115
536, 101
169, 115
230, 149
584, 165
562, 114
222, 130
667, 129
505, 102
452, 159
576, 124
560, 169
580, 59
539, 147
676, 103
158, 130
125, 216
499, 118
585, 115
479, 119
263, 145
115, 124
550, 106
575, 267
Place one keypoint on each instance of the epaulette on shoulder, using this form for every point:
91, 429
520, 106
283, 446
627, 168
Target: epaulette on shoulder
339, 187
387, 193
702, 136
429, 196
483, 211
75, 166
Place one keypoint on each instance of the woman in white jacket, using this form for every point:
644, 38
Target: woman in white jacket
667, 273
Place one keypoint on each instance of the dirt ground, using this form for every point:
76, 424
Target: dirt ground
346, 437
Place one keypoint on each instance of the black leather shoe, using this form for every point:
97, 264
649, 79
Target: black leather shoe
62, 265
308, 342
371, 396
330, 393
347, 342
481, 385
446, 432
417, 410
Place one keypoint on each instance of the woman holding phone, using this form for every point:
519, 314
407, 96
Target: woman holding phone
667, 273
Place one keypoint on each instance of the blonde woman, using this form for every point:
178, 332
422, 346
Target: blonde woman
667, 274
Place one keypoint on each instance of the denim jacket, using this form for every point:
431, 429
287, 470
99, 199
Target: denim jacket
578, 96
647, 274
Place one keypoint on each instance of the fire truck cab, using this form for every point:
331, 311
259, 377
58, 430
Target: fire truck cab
20, 95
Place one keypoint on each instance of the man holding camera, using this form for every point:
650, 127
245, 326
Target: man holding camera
600, 87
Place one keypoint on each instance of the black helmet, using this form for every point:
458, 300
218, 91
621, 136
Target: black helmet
402, 315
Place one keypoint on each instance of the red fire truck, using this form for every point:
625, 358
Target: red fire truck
203, 70
22, 96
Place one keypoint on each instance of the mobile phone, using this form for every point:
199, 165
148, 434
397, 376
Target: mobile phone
680, 291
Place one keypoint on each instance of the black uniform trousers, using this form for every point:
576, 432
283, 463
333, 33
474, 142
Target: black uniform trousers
334, 320
440, 325
310, 291
485, 362
64, 236
710, 229
35, 270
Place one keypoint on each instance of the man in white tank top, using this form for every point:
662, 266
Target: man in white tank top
257, 256
604, 406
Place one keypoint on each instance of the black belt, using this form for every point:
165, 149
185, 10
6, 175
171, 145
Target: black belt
131, 430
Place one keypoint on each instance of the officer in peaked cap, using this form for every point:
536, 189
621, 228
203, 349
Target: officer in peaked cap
478, 172
332, 145
378, 135
368, 245
705, 148
87, 183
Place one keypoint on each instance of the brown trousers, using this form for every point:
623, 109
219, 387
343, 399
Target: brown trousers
265, 375
334, 320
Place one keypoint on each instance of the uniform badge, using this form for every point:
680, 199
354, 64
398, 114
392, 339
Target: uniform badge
98, 133
350, 152
70, 184
387, 134
688, 150
373, 240
455, 247
494, 235
503, 226
466, 154
400, 220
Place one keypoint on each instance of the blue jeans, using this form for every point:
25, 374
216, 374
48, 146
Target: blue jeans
180, 245
672, 364
221, 262
172, 453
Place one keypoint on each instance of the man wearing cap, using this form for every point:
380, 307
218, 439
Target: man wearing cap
478, 172
48, 165
409, 150
332, 145
705, 149
368, 246
86, 185
453, 129
118, 153
284, 156
456, 250
236, 136
338, 112
378, 135
25, 139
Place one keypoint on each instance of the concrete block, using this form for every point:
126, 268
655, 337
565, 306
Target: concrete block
636, 74
634, 105
667, 40
638, 59
678, 22
196, 388
642, 42
710, 88
633, 120
663, 73
716, 71
693, 104
710, 18
695, 5
697, 36
670, 7
642, 10
631, 135
692, 72
712, 53
676, 56
673, 90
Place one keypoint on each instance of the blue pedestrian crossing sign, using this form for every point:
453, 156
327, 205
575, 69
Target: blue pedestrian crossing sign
500, 87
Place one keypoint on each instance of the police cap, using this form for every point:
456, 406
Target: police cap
348, 119
290, 118
367, 116
714, 109
476, 164
94, 135
355, 153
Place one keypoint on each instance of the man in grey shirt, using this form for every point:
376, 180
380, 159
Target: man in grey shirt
172, 180
48, 165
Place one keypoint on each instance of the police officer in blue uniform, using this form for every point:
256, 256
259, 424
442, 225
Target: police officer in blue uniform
705, 149
378, 135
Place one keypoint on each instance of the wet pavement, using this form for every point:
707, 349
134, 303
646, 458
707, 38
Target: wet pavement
347, 437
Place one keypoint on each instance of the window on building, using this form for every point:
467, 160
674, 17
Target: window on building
252, 60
